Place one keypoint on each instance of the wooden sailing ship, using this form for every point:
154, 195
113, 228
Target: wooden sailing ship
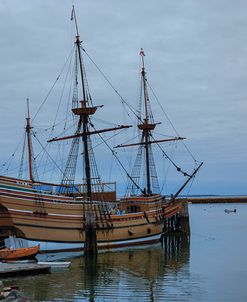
70, 216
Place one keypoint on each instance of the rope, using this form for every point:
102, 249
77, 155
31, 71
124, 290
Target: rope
163, 187
173, 163
8, 161
22, 157
49, 92
44, 149
55, 162
170, 121
62, 93
114, 89
113, 136
118, 160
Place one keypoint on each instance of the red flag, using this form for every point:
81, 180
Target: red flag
72, 14
142, 52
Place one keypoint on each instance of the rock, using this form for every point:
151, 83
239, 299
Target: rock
1, 286
16, 296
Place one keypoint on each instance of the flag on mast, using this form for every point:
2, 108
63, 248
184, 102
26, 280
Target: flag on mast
142, 52
72, 14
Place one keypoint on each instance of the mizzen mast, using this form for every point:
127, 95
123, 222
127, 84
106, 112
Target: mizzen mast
146, 126
29, 143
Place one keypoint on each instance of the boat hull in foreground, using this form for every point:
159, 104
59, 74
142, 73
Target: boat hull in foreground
19, 253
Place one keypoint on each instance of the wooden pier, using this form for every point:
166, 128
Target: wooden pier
20, 269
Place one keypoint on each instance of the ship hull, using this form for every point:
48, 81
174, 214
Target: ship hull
50, 247
57, 222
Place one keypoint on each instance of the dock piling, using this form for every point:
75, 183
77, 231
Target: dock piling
90, 247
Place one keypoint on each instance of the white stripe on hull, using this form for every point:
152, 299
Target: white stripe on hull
14, 242
129, 242
45, 246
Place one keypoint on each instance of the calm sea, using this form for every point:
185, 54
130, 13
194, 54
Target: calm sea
211, 265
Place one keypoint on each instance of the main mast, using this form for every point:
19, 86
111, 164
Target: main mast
84, 113
84, 125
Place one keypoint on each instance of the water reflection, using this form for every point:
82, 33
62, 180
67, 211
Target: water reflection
138, 274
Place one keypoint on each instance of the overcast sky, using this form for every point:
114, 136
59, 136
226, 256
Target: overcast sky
196, 58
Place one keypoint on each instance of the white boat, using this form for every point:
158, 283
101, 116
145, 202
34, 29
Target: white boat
230, 211
60, 264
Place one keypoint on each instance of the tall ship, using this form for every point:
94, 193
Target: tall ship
88, 215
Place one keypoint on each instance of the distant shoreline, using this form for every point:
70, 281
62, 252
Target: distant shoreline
216, 199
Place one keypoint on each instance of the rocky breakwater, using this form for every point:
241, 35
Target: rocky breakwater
11, 294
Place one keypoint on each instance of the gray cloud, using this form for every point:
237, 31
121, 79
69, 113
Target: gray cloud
196, 63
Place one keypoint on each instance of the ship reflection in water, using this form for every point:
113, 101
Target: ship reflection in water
139, 274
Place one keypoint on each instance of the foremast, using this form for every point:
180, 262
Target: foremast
27, 149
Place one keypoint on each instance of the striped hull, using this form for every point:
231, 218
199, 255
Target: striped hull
50, 247
57, 222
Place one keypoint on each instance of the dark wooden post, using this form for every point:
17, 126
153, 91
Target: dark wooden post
90, 247
184, 219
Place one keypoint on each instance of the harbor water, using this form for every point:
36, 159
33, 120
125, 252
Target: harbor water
210, 265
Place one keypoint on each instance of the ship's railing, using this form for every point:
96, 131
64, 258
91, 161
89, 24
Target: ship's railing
97, 187
102, 190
